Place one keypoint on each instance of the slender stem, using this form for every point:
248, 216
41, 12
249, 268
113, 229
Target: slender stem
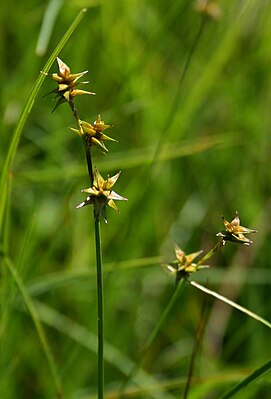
218, 245
162, 319
151, 338
231, 303
198, 336
98, 245
87, 147
75, 112
100, 307
36, 321
89, 163
248, 380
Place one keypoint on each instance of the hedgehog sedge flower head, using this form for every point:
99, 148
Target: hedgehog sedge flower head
93, 134
183, 266
101, 195
234, 232
67, 83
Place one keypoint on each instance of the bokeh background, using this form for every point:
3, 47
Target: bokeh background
189, 98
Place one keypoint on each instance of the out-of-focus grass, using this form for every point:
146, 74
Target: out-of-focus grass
214, 159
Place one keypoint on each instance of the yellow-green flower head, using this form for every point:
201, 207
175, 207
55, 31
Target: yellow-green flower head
93, 134
67, 83
101, 194
183, 266
234, 232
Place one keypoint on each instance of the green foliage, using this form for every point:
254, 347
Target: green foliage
191, 147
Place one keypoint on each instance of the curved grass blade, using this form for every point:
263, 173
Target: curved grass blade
249, 380
26, 110
37, 323
231, 303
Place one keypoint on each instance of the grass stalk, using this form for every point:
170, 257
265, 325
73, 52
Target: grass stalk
198, 336
162, 319
210, 253
98, 246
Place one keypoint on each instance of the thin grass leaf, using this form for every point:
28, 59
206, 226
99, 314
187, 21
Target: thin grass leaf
25, 112
231, 303
249, 380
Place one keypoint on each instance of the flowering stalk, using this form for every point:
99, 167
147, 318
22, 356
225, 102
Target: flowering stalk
100, 193
184, 264
100, 308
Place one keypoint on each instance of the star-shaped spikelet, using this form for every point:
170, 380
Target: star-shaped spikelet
67, 83
234, 232
93, 134
101, 195
183, 266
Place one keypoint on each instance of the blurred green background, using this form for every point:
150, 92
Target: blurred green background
189, 99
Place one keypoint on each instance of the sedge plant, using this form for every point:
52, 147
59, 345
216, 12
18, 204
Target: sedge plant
183, 267
186, 265
100, 193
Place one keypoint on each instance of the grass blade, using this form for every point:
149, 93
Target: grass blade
26, 110
231, 303
249, 380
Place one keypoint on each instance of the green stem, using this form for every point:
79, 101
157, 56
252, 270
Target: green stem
100, 307
231, 303
209, 254
151, 338
36, 321
86, 145
247, 381
162, 319
196, 347
89, 163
